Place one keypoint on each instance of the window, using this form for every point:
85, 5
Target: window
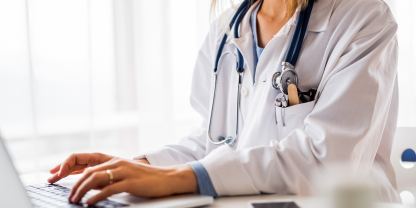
75, 75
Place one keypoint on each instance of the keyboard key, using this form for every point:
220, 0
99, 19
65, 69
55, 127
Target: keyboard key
52, 195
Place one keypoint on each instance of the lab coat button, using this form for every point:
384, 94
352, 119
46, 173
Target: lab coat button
273, 142
244, 91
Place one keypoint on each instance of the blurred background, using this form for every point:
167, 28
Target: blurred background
114, 76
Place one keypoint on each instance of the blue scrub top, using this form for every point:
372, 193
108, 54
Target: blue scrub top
256, 49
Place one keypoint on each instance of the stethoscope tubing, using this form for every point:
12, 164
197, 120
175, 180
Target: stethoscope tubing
298, 35
240, 76
279, 79
238, 16
290, 59
224, 38
240, 66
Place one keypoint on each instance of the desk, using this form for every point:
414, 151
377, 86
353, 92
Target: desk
303, 202
229, 202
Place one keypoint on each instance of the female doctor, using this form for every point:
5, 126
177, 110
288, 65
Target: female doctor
254, 141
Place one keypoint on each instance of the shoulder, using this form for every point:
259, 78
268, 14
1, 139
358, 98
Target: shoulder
362, 17
221, 24
363, 8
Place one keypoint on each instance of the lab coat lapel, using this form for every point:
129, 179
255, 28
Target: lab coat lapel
321, 14
245, 42
245, 45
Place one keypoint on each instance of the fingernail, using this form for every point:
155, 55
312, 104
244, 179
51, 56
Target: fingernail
73, 199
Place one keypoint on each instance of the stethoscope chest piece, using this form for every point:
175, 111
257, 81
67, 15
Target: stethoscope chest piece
228, 140
281, 80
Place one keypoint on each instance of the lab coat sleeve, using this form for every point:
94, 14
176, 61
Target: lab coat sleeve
346, 124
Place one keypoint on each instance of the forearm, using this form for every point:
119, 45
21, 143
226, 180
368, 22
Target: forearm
182, 180
182, 177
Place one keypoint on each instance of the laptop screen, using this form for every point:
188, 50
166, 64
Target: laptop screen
12, 193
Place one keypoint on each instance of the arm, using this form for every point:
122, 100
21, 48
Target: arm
359, 89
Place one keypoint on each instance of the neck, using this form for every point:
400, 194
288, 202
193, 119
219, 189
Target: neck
273, 9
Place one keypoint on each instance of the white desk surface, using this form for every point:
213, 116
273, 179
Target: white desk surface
303, 202
236, 201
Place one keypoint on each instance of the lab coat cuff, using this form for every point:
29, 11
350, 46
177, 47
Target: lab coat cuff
204, 182
159, 157
227, 173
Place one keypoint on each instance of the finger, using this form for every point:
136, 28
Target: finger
112, 164
107, 191
90, 171
96, 180
71, 161
55, 169
78, 172
56, 177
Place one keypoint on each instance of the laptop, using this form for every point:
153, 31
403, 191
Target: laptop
14, 194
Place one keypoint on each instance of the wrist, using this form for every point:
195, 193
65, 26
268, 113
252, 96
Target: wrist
184, 179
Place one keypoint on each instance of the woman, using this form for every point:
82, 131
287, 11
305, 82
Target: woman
349, 55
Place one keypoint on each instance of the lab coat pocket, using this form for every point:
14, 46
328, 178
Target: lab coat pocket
291, 118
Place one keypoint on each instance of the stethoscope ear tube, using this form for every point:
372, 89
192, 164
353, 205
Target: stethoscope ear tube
299, 35
242, 7
240, 17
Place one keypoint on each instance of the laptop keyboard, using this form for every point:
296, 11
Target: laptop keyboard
53, 195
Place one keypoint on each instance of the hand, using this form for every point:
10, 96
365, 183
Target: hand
76, 164
136, 178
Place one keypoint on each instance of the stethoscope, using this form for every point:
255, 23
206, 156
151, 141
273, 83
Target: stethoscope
280, 80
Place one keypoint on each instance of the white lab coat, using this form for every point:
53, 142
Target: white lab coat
349, 55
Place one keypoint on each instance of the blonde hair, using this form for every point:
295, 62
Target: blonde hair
291, 6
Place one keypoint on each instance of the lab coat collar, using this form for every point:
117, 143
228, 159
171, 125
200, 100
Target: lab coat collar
318, 22
321, 14
245, 42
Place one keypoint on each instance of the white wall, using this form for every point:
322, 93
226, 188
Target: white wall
75, 75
